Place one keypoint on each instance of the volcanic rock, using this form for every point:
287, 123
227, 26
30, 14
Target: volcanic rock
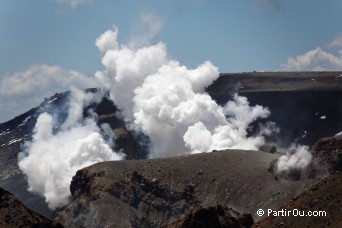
325, 197
14, 214
215, 217
328, 154
268, 148
157, 192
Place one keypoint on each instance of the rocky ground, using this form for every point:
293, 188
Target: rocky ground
15, 214
215, 216
324, 196
153, 193
328, 154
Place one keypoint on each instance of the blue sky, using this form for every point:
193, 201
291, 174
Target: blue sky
234, 35
241, 35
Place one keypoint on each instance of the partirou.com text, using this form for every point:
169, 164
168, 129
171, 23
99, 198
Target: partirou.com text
292, 212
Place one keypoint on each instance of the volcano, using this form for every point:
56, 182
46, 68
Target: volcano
155, 192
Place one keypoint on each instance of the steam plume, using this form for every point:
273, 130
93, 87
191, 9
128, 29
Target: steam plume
157, 96
167, 101
298, 158
51, 159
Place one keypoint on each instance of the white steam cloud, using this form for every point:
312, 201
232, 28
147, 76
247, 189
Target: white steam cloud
52, 159
107, 41
167, 101
157, 96
298, 158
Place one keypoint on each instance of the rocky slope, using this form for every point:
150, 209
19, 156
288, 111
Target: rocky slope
153, 193
215, 217
14, 214
324, 196
328, 154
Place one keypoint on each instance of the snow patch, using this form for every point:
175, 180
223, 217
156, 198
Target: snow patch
25, 121
49, 102
5, 132
14, 141
304, 135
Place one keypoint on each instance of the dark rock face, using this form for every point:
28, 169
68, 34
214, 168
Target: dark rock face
215, 217
157, 192
14, 214
302, 116
328, 154
268, 148
304, 109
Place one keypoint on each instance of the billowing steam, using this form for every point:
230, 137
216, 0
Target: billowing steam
298, 158
52, 158
156, 96
167, 101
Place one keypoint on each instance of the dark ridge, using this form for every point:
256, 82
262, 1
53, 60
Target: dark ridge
14, 214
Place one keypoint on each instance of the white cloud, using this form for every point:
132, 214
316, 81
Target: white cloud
318, 59
22, 90
337, 42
